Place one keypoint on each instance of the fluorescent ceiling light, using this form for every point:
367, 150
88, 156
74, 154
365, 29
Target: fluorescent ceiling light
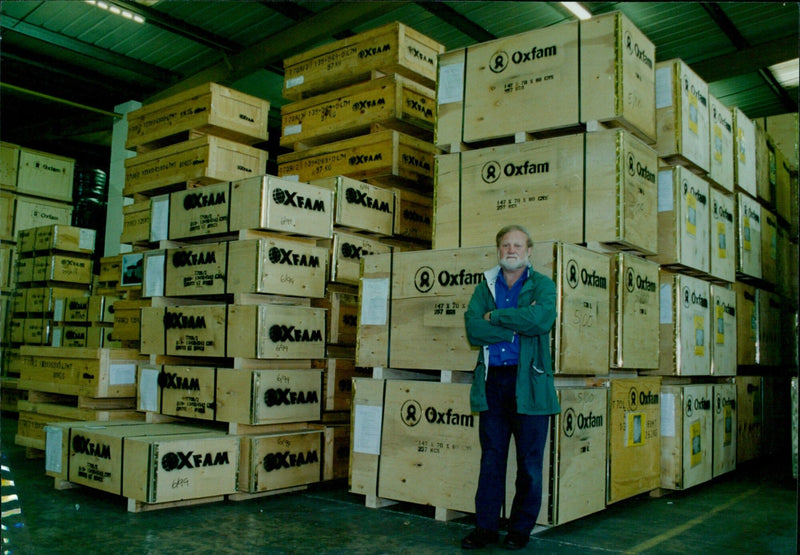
577, 10
116, 10
787, 73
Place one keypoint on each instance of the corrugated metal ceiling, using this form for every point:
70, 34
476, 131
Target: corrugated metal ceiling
77, 52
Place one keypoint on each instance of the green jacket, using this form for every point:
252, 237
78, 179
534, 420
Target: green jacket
536, 393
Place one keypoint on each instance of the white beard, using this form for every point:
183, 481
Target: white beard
512, 264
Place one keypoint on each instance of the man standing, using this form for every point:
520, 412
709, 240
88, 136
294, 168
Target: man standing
510, 316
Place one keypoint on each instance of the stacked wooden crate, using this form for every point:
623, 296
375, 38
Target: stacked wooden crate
360, 122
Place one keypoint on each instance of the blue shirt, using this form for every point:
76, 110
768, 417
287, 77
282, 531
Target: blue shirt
506, 353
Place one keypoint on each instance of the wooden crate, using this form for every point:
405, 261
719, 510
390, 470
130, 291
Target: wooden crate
622, 93
744, 153
205, 160
199, 211
578, 446
166, 468
724, 428
63, 268
248, 331
271, 265
346, 251
185, 391
769, 246
280, 460
540, 183
36, 331
45, 175
110, 269
26, 240
686, 435
74, 371
389, 156
724, 323
136, 222
765, 166
392, 102
341, 313
748, 236
8, 207
360, 206
282, 205
9, 165
685, 319
770, 339
746, 324
127, 319
683, 220
92, 337
413, 216
722, 235
682, 115
749, 418
634, 312
7, 277
336, 454
65, 238
46, 299
786, 265
784, 169
390, 48
92, 309
31, 429
32, 212
337, 382
24, 268
720, 162
209, 108
634, 437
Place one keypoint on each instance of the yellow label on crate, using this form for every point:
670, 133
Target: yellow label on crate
697, 445
742, 151
691, 213
634, 429
694, 112
699, 336
746, 233
722, 241
718, 143
720, 314
727, 414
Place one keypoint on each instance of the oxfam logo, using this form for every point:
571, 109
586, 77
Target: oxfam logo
633, 396
572, 274
689, 409
351, 195
569, 422
686, 297
275, 255
490, 172
411, 413
628, 42
170, 462
631, 165
279, 195
424, 279
499, 62
630, 280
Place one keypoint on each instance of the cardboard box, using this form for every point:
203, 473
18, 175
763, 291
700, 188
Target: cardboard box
685, 334
747, 324
686, 435
720, 162
391, 102
722, 235
682, 114
209, 108
390, 48
724, 323
748, 236
744, 153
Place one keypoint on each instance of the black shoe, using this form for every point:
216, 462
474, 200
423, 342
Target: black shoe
479, 538
515, 541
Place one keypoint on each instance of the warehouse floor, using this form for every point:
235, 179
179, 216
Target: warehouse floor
752, 510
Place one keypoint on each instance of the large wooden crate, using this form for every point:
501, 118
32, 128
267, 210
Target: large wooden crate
724, 323
685, 334
346, 251
634, 312
265, 331
360, 206
683, 219
75, 371
336, 455
7, 277
720, 162
391, 102
744, 153
205, 160
45, 175
63, 268
337, 382
598, 187
136, 222
29, 212
746, 324
92, 309
749, 417
415, 299
9, 165
46, 299
682, 115
391, 48
724, 428
686, 435
64, 238
127, 319
185, 391
274, 265
341, 313
208, 108
170, 468
748, 236
387, 156
578, 446
634, 437
769, 246
770, 338
722, 235
280, 460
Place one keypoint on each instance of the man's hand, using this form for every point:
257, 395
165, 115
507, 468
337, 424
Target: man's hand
488, 316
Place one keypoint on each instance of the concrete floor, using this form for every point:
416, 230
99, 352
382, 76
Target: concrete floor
752, 510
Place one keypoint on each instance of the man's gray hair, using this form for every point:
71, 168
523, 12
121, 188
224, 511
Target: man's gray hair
513, 227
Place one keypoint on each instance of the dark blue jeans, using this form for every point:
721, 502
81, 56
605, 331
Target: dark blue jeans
496, 427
